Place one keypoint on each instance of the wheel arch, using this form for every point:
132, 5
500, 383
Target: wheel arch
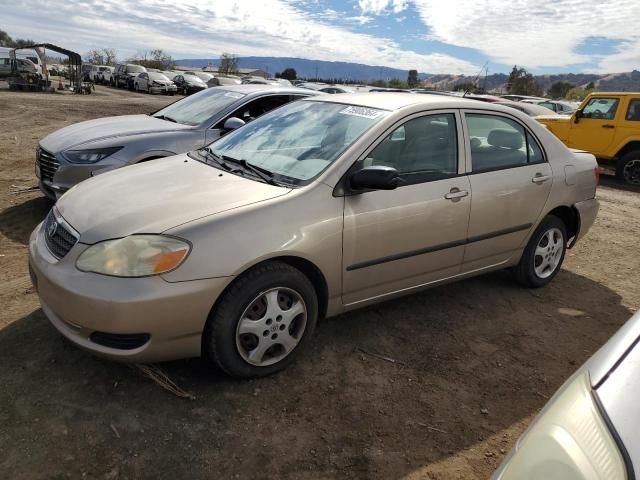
571, 219
308, 268
630, 146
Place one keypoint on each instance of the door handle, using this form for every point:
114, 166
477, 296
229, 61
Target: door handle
608, 125
456, 193
539, 178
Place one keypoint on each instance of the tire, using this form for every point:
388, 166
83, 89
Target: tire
628, 168
251, 298
542, 258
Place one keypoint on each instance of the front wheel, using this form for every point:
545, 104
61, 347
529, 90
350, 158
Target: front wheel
544, 254
262, 321
628, 168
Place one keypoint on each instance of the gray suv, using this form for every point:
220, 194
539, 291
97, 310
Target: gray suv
85, 149
125, 73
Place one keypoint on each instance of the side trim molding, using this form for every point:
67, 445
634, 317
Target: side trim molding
435, 248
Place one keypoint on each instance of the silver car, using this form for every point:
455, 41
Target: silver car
589, 429
319, 207
86, 149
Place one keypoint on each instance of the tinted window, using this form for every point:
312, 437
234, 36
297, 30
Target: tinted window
633, 113
422, 149
498, 142
601, 108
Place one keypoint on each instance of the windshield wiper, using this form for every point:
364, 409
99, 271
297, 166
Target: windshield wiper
263, 173
164, 117
209, 154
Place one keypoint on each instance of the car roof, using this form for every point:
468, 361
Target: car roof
397, 101
254, 88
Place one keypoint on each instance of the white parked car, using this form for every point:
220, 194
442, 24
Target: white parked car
154, 82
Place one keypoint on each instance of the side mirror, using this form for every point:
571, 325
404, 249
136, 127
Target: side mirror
577, 116
233, 123
376, 177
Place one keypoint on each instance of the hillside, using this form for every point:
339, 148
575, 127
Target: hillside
497, 82
310, 68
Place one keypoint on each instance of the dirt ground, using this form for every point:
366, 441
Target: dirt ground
476, 360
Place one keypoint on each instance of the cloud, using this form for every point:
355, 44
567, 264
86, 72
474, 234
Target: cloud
379, 7
536, 33
205, 29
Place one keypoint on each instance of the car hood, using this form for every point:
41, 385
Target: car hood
155, 196
82, 133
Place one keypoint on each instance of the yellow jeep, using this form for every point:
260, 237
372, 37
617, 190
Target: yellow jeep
607, 124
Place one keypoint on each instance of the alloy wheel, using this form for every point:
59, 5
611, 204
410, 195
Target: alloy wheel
271, 326
631, 172
548, 253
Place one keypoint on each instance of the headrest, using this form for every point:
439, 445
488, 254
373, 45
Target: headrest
505, 138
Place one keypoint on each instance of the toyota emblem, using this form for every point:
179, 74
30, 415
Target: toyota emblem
53, 228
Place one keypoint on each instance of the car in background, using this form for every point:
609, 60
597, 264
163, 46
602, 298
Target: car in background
518, 98
219, 80
105, 75
169, 74
188, 84
95, 72
557, 106
86, 149
234, 251
125, 73
607, 124
258, 81
530, 109
154, 82
204, 76
335, 89
589, 428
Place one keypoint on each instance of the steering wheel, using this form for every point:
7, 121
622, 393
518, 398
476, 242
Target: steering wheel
597, 113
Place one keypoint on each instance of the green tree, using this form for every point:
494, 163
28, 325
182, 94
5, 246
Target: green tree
289, 74
522, 82
397, 83
590, 86
7, 41
228, 64
464, 86
560, 88
412, 79
379, 84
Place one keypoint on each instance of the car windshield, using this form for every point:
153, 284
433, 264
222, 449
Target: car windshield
193, 78
298, 141
157, 76
135, 69
199, 108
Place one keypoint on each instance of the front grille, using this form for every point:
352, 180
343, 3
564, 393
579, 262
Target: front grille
120, 341
47, 163
57, 236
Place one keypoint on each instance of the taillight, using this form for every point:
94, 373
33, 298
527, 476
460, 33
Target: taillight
596, 172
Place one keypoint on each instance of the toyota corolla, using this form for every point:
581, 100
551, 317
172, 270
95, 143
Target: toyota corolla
234, 251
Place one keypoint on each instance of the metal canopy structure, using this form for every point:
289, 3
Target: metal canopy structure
75, 61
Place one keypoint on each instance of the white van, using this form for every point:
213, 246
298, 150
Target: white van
21, 54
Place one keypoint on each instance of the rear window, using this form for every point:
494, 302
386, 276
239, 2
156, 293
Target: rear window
135, 69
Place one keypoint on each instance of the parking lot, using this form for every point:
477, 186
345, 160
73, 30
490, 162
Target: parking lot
436, 385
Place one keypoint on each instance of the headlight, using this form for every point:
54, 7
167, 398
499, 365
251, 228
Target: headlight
134, 256
91, 155
568, 440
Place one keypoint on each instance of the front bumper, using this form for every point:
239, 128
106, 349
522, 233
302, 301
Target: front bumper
84, 306
163, 89
588, 211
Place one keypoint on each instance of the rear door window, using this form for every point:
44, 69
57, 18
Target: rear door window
633, 112
499, 142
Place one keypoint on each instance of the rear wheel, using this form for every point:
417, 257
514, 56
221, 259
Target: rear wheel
262, 321
543, 256
628, 168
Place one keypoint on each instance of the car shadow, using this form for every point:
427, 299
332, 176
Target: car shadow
18, 221
380, 393
611, 182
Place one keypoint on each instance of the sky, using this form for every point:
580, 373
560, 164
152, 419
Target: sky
432, 36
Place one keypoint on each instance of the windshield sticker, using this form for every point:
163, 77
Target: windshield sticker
361, 112
234, 95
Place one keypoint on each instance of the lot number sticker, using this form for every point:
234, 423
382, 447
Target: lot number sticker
361, 112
